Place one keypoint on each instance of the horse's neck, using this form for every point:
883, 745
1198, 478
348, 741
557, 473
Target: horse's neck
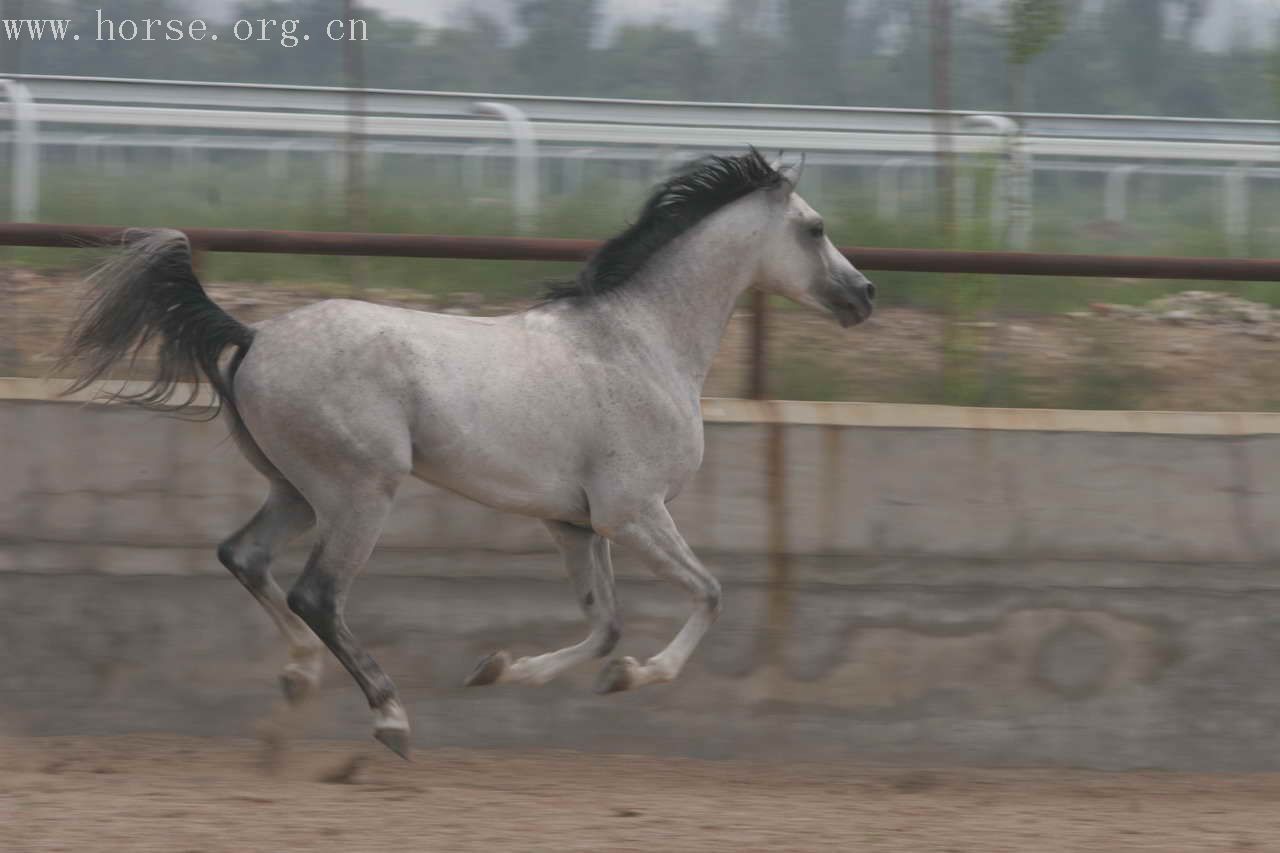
682, 301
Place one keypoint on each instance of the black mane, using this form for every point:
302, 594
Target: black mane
678, 204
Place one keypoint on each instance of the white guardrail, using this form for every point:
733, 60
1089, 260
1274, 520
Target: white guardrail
261, 97
96, 105
596, 133
256, 108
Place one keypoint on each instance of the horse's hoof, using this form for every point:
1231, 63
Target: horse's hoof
617, 675
488, 670
396, 740
295, 685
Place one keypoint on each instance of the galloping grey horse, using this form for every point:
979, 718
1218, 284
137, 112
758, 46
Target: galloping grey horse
582, 411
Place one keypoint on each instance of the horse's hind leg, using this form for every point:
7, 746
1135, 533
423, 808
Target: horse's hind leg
652, 534
586, 558
248, 554
349, 528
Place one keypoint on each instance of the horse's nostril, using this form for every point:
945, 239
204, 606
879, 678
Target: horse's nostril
871, 290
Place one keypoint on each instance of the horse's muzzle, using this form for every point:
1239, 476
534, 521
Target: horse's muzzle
851, 300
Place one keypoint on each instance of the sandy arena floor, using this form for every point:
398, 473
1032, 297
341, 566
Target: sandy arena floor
182, 795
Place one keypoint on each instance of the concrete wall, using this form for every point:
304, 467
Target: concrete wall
961, 587
98, 483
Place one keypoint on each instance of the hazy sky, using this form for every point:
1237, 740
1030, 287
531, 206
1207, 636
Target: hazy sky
1226, 21
687, 14
433, 10
694, 14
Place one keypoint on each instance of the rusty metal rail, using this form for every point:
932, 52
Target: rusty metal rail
548, 249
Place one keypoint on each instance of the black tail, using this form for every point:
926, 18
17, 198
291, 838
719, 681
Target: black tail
149, 291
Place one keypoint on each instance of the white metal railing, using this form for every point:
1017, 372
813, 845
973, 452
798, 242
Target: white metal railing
661, 157
591, 133
538, 108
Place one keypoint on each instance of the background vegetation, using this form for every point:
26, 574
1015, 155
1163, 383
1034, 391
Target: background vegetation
1107, 56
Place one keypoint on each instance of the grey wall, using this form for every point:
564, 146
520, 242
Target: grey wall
101, 482
952, 595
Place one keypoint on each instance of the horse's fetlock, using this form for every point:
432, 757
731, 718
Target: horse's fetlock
612, 634
710, 596
381, 691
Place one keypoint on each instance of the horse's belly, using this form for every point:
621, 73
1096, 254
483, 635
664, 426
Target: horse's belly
497, 479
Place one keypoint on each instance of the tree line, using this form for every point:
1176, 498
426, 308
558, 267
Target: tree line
1106, 56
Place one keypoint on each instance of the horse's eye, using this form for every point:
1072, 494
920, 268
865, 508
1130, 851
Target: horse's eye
816, 232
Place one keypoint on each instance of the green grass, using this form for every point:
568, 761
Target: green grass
804, 377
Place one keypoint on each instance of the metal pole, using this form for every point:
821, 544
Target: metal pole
1014, 209
778, 608
550, 249
357, 199
757, 379
1236, 209
526, 160
26, 158
1020, 191
1116, 193
940, 35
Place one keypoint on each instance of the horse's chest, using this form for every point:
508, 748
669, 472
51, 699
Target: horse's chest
689, 447
670, 452
644, 429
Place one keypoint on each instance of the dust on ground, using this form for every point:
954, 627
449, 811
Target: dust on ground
205, 795
1195, 351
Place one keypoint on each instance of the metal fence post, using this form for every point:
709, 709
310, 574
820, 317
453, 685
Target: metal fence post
357, 200
757, 378
777, 546
525, 190
1236, 209
26, 157
1116, 194
1013, 211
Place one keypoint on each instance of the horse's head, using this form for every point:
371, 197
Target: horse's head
798, 260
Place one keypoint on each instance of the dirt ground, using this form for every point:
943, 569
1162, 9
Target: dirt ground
182, 795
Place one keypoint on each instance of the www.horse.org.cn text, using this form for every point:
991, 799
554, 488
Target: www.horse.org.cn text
287, 32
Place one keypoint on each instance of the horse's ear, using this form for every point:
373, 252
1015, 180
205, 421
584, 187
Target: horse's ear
790, 171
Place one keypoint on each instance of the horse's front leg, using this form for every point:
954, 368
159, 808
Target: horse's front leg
586, 559
652, 535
